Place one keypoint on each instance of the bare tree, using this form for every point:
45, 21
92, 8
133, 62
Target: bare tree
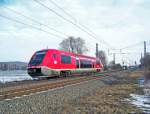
75, 45
102, 56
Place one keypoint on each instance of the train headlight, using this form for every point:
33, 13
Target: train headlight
55, 62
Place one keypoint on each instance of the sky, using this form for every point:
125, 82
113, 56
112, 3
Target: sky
115, 24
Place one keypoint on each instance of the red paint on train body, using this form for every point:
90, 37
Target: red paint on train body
52, 62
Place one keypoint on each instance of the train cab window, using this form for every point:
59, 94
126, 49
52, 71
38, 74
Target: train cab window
54, 56
65, 59
37, 58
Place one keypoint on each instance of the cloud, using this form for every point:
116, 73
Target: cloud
7, 2
118, 22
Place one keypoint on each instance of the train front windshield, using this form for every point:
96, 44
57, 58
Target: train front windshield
37, 58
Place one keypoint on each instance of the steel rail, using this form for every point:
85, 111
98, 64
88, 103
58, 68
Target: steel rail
26, 91
33, 88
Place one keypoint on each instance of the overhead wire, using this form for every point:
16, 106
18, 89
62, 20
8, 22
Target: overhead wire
17, 21
31, 19
75, 20
52, 10
132, 45
35, 21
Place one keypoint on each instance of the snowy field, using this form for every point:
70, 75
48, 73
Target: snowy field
142, 100
15, 75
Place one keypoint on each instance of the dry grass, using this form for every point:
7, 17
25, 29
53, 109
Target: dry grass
136, 74
106, 100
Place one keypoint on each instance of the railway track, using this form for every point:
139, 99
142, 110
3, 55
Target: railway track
11, 92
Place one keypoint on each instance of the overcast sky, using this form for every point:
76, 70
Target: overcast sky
118, 23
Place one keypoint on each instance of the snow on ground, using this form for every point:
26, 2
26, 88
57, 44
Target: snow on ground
141, 101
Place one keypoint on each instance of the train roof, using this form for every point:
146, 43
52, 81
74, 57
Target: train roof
79, 55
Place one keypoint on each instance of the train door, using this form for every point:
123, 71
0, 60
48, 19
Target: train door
77, 63
54, 60
93, 65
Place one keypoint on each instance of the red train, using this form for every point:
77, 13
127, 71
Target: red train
52, 62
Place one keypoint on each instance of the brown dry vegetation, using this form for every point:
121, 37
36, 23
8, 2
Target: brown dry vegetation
136, 74
106, 100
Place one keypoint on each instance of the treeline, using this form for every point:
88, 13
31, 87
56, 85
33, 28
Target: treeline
13, 66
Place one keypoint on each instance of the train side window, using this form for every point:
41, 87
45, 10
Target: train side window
65, 59
81, 64
77, 63
86, 64
54, 56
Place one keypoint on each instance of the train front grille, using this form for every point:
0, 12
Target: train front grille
34, 72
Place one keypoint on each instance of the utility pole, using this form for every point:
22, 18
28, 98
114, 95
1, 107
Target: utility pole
122, 62
71, 45
135, 63
141, 56
96, 50
114, 57
144, 49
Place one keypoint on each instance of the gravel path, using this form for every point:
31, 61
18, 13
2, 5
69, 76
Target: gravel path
51, 102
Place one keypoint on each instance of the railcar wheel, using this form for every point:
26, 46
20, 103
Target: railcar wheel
63, 74
68, 73
98, 70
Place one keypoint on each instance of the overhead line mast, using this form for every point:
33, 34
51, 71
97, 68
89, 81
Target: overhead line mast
144, 49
